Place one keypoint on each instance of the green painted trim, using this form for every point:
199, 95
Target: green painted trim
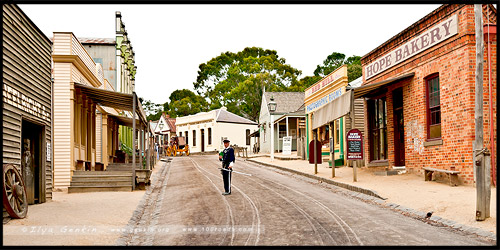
342, 138
325, 153
339, 162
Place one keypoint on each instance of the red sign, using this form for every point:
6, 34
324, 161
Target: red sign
318, 152
354, 140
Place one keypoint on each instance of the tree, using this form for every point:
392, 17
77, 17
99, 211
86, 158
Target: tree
185, 102
236, 80
331, 63
335, 61
153, 110
304, 83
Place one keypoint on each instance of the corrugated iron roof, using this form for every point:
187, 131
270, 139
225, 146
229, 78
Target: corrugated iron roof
225, 116
96, 40
286, 102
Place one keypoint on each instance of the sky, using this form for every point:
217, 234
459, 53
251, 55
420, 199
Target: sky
170, 41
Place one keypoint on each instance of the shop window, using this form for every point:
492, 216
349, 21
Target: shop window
187, 137
337, 132
433, 107
194, 138
247, 136
377, 124
209, 136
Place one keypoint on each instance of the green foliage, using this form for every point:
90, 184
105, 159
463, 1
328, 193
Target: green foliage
126, 149
354, 71
331, 63
153, 110
236, 80
335, 61
304, 83
185, 102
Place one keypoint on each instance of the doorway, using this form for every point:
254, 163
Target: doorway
32, 161
202, 140
399, 132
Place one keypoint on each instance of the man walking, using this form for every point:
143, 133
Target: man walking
227, 158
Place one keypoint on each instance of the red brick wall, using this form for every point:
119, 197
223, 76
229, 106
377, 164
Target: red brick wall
455, 61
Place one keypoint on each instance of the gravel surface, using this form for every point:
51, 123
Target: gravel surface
74, 219
184, 206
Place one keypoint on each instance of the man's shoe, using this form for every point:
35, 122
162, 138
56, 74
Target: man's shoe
226, 193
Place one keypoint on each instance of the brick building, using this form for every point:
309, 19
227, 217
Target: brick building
419, 91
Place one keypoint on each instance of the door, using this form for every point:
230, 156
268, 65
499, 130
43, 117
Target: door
399, 132
32, 160
202, 140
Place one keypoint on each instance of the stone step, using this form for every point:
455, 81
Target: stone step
121, 169
85, 189
98, 173
107, 183
92, 178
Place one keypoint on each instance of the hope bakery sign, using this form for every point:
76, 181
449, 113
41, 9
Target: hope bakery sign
428, 39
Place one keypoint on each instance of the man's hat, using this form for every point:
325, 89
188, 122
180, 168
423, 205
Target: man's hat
225, 140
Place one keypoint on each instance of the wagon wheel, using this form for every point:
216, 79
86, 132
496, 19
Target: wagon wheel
14, 193
169, 151
187, 150
174, 150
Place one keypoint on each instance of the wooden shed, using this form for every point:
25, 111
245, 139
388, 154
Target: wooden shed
27, 101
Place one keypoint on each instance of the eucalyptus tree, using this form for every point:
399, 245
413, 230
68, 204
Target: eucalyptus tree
237, 80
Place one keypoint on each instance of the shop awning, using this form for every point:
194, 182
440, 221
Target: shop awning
255, 134
367, 89
333, 110
113, 99
125, 121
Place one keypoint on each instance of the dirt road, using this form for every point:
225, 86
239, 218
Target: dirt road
184, 206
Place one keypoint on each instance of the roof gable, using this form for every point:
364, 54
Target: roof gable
162, 123
225, 116
286, 102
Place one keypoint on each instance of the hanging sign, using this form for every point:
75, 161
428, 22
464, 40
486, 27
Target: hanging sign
354, 140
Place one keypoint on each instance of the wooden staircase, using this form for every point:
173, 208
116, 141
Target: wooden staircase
100, 181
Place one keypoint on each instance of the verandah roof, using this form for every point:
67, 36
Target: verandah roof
114, 100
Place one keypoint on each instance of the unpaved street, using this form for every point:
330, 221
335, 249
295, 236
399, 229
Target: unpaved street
184, 206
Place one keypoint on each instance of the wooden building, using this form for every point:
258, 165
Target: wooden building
323, 100
27, 103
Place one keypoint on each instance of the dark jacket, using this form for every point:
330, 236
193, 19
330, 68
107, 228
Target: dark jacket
228, 156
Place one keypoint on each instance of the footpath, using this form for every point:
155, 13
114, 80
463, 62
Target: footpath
75, 219
407, 193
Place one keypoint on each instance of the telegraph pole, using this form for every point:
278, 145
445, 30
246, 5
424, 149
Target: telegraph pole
480, 154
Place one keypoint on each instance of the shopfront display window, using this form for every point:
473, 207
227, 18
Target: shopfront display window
377, 116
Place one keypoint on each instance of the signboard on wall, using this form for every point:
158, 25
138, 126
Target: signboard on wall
287, 145
48, 151
424, 41
354, 140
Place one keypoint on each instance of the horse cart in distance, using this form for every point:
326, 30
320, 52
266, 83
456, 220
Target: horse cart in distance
177, 145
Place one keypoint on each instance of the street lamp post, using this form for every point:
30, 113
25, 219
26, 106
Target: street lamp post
272, 108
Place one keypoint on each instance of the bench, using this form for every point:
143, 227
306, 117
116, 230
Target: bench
452, 174
99, 166
243, 150
83, 165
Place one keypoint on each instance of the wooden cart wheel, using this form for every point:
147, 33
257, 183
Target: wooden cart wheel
187, 150
169, 151
14, 193
174, 150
